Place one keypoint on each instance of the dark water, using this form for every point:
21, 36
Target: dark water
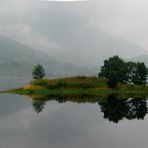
112, 123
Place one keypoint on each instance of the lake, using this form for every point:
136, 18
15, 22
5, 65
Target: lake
113, 123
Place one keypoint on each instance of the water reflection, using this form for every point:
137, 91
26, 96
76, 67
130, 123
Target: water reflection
70, 124
114, 108
38, 105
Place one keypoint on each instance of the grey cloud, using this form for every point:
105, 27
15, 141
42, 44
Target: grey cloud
64, 30
127, 19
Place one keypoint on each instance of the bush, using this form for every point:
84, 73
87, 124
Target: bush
52, 86
39, 82
82, 85
61, 83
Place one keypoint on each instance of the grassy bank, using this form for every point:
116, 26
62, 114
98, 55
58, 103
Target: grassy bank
77, 86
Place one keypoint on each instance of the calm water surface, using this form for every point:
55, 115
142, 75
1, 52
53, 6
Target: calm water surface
28, 124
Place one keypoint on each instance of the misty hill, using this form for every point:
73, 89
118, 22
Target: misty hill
142, 58
18, 60
89, 42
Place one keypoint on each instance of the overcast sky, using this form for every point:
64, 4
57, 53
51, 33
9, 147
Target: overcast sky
42, 24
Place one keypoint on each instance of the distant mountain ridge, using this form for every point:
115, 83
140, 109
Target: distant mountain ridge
17, 61
90, 45
142, 58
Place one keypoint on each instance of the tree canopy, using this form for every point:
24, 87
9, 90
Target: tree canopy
38, 72
117, 70
115, 64
140, 74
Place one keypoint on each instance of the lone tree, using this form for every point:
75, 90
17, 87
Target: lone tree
38, 72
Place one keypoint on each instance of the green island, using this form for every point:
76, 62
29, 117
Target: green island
115, 77
80, 85
120, 89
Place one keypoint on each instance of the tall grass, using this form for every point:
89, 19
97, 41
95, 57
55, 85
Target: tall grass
80, 85
73, 82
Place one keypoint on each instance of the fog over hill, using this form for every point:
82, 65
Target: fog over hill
90, 46
80, 33
142, 58
17, 61
68, 38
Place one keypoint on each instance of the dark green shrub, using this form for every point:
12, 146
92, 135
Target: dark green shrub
61, 83
52, 86
82, 85
39, 83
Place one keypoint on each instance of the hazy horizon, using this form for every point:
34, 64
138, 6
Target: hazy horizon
60, 29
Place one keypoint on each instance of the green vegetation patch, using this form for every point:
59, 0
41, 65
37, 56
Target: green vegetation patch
84, 86
73, 82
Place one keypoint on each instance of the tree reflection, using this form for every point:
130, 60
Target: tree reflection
137, 108
116, 109
113, 107
38, 105
39, 102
